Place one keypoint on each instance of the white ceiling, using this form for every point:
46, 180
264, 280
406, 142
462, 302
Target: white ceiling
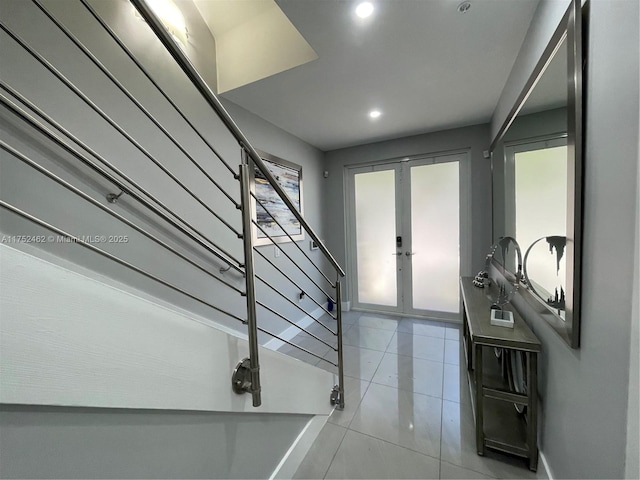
426, 66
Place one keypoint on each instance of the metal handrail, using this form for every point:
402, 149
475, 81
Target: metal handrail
291, 302
190, 71
23, 158
288, 235
144, 71
78, 240
20, 156
280, 315
262, 230
44, 62
247, 375
302, 349
290, 279
209, 245
133, 100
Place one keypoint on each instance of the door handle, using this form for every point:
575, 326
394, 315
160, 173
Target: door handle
397, 254
408, 254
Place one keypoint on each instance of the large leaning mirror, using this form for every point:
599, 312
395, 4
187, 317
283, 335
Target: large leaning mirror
537, 179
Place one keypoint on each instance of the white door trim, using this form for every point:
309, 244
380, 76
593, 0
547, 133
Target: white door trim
463, 157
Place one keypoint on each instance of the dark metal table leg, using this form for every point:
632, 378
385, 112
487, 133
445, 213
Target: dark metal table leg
479, 407
532, 427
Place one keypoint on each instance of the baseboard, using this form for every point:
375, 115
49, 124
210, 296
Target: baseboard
543, 459
292, 331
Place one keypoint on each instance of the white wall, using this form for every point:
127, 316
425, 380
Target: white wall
68, 338
62, 442
585, 392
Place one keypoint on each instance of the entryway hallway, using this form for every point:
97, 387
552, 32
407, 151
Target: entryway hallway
408, 411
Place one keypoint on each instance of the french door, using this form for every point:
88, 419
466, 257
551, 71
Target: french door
404, 236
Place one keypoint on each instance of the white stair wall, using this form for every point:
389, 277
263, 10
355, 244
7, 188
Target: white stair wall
68, 339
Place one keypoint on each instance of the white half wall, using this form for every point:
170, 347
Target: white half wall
71, 340
64, 442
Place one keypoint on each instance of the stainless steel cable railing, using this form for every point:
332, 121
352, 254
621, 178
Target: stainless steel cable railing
23, 158
188, 240
176, 222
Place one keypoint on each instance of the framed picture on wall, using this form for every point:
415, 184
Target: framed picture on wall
271, 214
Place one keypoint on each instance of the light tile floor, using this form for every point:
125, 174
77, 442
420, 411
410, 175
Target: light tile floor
408, 410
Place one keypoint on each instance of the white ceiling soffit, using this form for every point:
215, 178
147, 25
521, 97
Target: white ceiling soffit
254, 40
422, 63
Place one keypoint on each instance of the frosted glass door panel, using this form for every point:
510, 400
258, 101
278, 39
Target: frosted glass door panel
435, 237
375, 212
541, 206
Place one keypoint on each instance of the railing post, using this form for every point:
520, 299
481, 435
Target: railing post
246, 376
340, 354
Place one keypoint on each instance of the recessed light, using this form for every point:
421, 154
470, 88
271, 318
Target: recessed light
364, 9
375, 113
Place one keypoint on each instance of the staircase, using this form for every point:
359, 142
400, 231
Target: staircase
121, 166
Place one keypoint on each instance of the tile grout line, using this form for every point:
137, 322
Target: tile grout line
396, 445
441, 398
365, 393
383, 354
441, 421
413, 393
346, 430
484, 474
357, 407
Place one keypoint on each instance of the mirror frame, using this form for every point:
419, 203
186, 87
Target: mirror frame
570, 28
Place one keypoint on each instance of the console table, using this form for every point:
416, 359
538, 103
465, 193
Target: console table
498, 425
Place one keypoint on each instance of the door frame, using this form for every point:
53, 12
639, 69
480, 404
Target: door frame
464, 185
352, 260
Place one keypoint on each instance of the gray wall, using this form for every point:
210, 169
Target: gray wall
474, 139
32, 192
632, 466
50, 442
584, 391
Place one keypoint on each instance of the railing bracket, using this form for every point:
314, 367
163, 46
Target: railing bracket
336, 398
113, 198
241, 378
